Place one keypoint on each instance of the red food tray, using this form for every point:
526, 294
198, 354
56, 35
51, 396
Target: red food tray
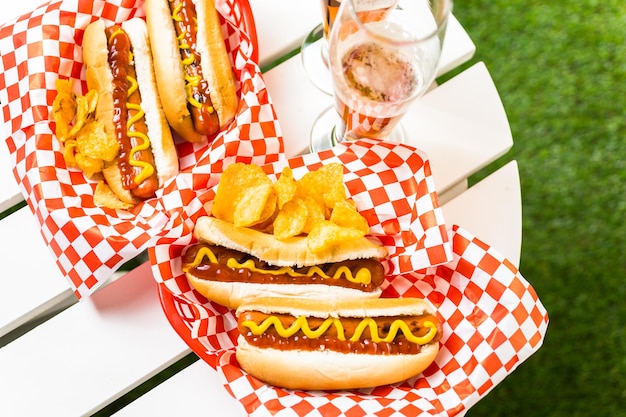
492, 322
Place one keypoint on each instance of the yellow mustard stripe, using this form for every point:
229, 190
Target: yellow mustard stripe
117, 31
363, 276
190, 98
301, 324
176, 13
189, 60
370, 323
190, 82
193, 79
146, 168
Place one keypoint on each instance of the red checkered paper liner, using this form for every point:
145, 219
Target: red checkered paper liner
492, 319
90, 242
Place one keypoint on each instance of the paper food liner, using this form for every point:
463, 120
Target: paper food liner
88, 242
492, 322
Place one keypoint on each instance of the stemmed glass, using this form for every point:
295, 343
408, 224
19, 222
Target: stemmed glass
383, 55
314, 49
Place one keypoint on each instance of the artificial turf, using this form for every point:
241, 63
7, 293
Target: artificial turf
560, 68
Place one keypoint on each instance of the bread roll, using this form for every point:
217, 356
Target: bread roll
100, 78
290, 252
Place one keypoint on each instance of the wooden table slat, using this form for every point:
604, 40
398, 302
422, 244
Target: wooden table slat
91, 353
32, 284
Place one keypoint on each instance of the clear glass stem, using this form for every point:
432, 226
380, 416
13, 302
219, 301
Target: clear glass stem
327, 131
314, 54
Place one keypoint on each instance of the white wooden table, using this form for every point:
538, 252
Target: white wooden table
68, 358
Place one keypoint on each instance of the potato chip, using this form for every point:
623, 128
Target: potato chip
69, 153
64, 87
105, 197
327, 234
290, 219
86, 144
285, 187
82, 113
327, 182
315, 213
92, 101
90, 166
315, 205
250, 205
242, 194
93, 142
345, 214
269, 210
63, 109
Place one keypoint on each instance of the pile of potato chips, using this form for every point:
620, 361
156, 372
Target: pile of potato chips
315, 205
87, 146
86, 143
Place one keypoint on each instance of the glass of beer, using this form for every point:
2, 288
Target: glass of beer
314, 50
383, 55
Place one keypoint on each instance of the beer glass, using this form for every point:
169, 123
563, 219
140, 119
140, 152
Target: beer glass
314, 49
383, 55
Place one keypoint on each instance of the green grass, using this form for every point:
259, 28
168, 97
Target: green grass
560, 68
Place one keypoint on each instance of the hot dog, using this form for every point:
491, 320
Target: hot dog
331, 345
230, 264
119, 66
193, 70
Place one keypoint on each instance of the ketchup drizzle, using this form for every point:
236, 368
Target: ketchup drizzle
119, 60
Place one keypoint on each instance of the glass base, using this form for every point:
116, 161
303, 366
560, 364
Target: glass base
324, 136
314, 53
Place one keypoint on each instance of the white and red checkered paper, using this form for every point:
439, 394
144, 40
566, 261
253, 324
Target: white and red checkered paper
492, 319
89, 242
392, 184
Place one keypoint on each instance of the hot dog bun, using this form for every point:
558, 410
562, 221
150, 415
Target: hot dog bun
292, 252
327, 369
99, 77
233, 294
169, 68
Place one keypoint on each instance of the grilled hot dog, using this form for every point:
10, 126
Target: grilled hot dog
119, 67
329, 345
193, 70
